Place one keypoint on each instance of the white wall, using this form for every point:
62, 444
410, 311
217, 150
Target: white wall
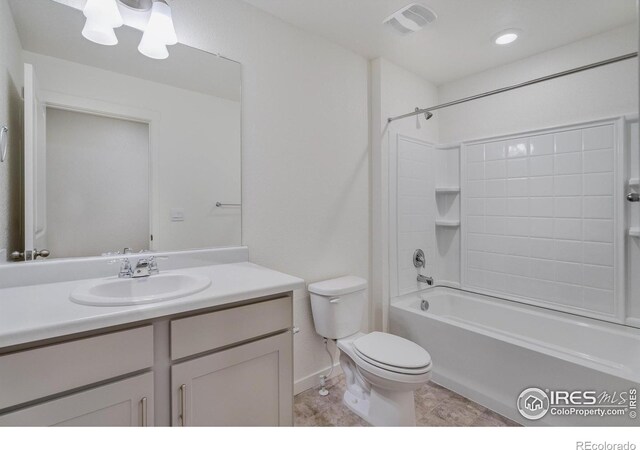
11, 116
599, 93
97, 176
305, 150
394, 91
195, 147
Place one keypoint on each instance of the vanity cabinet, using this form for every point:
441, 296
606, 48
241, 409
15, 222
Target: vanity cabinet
248, 385
228, 366
126, 403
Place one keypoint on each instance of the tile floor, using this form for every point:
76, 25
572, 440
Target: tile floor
435, 406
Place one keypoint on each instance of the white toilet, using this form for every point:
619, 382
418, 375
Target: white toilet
381, 370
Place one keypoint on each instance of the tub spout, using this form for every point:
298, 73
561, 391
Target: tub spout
423, 279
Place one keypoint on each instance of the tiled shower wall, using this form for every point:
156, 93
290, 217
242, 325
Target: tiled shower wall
415, 210
538, 218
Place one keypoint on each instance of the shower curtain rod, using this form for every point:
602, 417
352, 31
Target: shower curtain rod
517, 86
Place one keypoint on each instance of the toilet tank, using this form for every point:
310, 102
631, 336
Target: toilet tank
338, 306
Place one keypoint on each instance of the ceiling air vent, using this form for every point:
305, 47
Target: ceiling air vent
410, 19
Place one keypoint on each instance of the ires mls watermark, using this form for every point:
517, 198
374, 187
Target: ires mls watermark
535, 403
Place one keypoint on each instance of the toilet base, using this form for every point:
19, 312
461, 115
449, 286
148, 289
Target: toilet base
378, 400
384, 409
357, 405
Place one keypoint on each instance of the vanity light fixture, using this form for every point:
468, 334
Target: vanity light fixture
152, 17
159, 32
102, 17
506, 36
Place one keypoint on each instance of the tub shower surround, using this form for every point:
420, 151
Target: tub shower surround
540, 291
541, 219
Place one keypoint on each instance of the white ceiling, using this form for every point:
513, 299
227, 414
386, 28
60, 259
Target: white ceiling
459, 42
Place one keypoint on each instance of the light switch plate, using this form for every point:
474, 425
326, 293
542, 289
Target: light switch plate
177, 215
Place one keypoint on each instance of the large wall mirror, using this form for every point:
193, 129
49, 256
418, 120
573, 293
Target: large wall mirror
109, 149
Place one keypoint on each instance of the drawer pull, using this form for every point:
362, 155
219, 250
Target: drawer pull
183, 405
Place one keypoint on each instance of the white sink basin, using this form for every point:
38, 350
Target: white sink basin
137, 291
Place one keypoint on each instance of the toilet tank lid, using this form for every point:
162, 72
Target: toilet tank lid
338, 286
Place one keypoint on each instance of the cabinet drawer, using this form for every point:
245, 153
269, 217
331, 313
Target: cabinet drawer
44, 371
205, 332
126, 403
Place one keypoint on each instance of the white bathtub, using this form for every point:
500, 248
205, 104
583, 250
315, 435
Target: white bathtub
489, 350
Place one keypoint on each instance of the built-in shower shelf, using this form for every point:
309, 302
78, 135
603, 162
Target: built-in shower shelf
448, 190
447, 223
634, 232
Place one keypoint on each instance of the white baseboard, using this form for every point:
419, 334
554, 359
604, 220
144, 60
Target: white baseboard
313, 380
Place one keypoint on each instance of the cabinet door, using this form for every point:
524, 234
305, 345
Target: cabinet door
122, 404
248, 385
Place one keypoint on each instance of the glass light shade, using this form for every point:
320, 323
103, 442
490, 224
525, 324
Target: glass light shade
160, 26
159, 32
152, 47
97, 32
105, 12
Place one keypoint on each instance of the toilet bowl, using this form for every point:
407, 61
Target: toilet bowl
381, 370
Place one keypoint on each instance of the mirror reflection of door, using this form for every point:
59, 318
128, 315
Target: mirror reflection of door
34, 163
87, 181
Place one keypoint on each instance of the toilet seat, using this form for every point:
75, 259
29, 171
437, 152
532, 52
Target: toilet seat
388, 350
399, 370
389, 355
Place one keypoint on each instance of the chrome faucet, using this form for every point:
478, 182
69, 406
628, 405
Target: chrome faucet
424, 279
144, 267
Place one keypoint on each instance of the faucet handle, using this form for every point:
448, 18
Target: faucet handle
125, 268
153, 263
419, 259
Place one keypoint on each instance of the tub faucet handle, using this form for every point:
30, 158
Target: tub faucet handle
418, 259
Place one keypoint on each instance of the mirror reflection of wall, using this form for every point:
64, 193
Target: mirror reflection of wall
97, 175
105, 104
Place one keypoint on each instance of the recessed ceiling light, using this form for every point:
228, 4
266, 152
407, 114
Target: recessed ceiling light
506, 36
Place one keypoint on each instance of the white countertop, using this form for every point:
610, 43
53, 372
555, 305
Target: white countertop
43, 311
